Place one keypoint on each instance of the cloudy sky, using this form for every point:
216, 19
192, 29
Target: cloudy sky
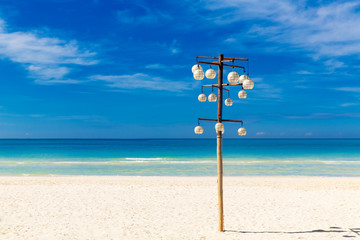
122, 69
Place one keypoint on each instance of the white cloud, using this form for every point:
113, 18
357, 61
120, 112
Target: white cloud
141, 14
125, 16
349, 89
230, 40
333, 64
301, 86
57, 81
86, 118
349, 104
46, 59
140, 80
326, 115
328, 30
174, 48
159, 66
156, 66
44, 72
265, 90
23, 115
308, 134
304, 72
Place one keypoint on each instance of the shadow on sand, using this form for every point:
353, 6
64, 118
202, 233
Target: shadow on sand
350, 233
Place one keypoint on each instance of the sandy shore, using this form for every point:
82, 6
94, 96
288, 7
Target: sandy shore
84, 207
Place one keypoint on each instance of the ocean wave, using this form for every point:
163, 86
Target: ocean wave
340, 162
145, 159
122, 162
129, 161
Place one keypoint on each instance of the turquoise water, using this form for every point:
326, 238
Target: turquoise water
177, 157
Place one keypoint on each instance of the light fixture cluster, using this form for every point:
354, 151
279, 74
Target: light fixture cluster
219, 127
233, 78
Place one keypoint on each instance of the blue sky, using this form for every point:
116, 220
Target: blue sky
122, 69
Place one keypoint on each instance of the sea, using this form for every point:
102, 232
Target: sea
180, 157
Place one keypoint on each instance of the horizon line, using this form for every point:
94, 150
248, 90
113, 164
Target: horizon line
252, 138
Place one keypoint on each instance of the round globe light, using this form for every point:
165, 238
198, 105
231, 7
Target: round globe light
242, 94
198, 130
228, 102
242, 78
212, 97
210, 73
196, 67
233, 77
248, 84
219, 127
202, 97
242, 131
199, 75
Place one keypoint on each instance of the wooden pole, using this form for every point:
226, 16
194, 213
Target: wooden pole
215, 120
219, 146
219, 142
240, 59
227, 65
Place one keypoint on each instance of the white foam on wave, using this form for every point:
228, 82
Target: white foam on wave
145, 159
71, 162
171, 162
340, 162
129, 161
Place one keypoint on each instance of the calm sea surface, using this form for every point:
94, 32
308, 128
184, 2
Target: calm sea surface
177, 157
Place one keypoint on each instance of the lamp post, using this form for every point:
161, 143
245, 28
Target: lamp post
234, 80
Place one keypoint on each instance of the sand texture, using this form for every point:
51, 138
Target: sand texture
96, 207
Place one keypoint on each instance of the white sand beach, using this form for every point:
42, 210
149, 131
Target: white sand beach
97, 207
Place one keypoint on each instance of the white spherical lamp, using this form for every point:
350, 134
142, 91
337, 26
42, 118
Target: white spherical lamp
210, 73
242, 94
202, 97
198, 130
242, 131
199, 75
248, 84
196, 67
212, 97
233, 77
242, 78
219, 127
228, 102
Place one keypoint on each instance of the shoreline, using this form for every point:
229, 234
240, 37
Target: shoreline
174, 176
178, 207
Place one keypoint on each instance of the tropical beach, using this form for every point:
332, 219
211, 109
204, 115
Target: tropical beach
71, 189
207, 120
